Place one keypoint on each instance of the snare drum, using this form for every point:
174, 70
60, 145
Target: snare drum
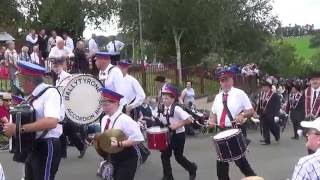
158, 138
230, 145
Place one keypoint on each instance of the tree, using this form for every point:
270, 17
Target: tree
66, 15
10, 16
197, 28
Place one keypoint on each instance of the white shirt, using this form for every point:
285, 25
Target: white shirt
125, 123
308, 167
58, 53
312, 92
11, 56
133, 91
52, 42
93, 47
32, 40
178, 115
48, 105
2, 177
118, 44
62, 76
35, 58
69, 43
188, 95
237, 102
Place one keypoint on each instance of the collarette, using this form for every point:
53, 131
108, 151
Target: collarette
39, 88
230, 91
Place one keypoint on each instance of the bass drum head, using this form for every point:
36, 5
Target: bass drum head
81, 98
65, 82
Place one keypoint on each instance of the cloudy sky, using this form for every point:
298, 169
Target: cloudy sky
298, 11
289, 12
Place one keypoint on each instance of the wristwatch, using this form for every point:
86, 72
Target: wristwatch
22, 130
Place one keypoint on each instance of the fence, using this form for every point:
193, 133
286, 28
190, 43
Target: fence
202, 79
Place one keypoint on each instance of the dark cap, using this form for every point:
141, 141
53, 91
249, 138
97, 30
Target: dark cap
160, 79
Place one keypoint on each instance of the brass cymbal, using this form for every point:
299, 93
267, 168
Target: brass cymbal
104, 141
98, 149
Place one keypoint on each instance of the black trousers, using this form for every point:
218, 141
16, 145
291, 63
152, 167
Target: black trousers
43, 162
115, 59
296, 126
177, 146
268, 125
243, 164
70, 130
125, 170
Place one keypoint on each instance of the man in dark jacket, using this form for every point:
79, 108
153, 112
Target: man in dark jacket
269, 110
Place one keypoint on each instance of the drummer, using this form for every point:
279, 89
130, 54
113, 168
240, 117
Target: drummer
134, 92
124, 162
175, 118
69, 128
240, 108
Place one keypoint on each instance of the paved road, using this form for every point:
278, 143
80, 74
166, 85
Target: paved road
274, 162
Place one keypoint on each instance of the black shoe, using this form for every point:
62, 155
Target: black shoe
83, 152
193, 174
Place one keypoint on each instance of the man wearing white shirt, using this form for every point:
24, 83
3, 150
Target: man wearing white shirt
52, 41
35, 56
32, 39
115, 47
110, 75
68, 41
240, 108
93, 47
44, 159
134, 92
60, 50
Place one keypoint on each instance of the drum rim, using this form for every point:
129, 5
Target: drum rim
232, 135
63, 93
162, 130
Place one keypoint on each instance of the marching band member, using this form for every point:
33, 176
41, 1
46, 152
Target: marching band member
134, 92
110, 75
269, 110
312, 99
124, 162
43, 161
295, 106
69, 128
238, 104
175, 119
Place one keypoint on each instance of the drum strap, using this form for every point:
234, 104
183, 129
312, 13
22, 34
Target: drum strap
228, 111
33, 98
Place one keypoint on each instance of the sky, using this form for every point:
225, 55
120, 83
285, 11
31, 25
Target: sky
292, 12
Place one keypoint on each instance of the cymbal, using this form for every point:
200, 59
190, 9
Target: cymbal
97, 148
253, 178
104, 142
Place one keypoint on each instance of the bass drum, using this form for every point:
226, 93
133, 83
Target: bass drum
81, 98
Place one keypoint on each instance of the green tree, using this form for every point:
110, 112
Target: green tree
10, 16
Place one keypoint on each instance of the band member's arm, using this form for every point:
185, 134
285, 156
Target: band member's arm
43, 124
248, 109
140, 95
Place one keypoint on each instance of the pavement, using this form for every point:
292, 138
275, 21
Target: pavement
273, 162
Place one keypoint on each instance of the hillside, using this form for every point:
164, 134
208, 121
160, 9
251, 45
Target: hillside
302, 46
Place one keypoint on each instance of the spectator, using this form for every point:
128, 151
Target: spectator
187, 95
68, 41
31, 39
11, 58
60, 50
4, 108
145, 113
81, 61
93, 47
307, 167
24, 56
36, 56
43, 43
115, 47
52, 41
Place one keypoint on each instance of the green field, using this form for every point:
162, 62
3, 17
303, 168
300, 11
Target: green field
302, 46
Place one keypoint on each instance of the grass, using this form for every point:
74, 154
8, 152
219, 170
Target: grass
302, 46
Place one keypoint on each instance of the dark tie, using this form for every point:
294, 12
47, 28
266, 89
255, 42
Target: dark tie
107, 124
114, 46
314, 97
224, 112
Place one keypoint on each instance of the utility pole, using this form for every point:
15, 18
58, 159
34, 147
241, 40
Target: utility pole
140, 29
